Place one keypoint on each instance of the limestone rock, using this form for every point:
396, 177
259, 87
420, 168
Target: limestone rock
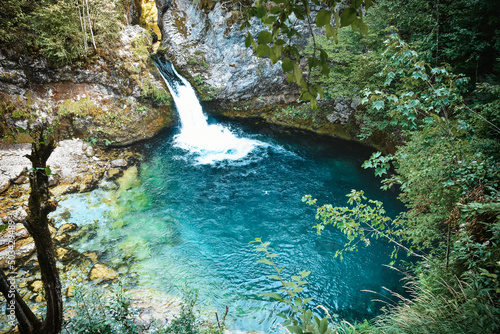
113, 172
16, 216
119, 163
4, 183
155, 304
68, 227
91, 255
193, 36
13, 163
22, 179
23, 249
37, 286
342, 110
70, 292
65, 255
89, 151
100, 272
62, 239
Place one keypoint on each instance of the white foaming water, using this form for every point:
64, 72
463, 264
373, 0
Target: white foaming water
210, 143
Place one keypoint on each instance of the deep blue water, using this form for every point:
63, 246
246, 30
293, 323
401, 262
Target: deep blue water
189, 225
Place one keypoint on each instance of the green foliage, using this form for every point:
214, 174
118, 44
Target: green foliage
98, 314
189, 322
298, 319
380, 162
277, 40
58, 31
462, 32
437, 166
440, 303
415, 93
353, 64
295, 112
485, 120
63, 30
360, 222
186, 322
13, 22
159, 95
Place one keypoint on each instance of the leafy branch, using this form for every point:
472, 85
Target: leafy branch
360, 222
278, 40
300, 320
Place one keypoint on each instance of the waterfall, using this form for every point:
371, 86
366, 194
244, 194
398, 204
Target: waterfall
208, 142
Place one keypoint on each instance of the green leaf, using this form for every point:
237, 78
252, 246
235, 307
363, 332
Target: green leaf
297, 73
306, 96
312, 62
273, 295
48, 171
248, 40
265, 261
323, 325
287, 65
264, 37
331, 32
279, 41
379, 104
275, 277
256, 240
337, 20
319, 89
275, 53
262, 50
347, 17
363, 28
295, 329
296, 278
260, 12
275, 10
304, 273
380, 171
323, 17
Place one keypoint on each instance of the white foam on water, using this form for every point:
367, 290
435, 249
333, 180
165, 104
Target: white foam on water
209, 143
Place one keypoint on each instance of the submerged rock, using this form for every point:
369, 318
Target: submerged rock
100, 272
155, 305
36, 286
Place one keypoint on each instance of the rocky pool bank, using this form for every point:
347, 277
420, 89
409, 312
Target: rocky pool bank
78, 168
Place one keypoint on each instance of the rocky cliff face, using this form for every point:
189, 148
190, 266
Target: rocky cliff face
210, 46
203, 39
117, 98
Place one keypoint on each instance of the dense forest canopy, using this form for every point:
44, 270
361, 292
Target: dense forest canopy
427, 75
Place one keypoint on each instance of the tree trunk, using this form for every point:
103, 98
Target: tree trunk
37, 224
28, 322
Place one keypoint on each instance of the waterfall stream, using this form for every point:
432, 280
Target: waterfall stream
208, 142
